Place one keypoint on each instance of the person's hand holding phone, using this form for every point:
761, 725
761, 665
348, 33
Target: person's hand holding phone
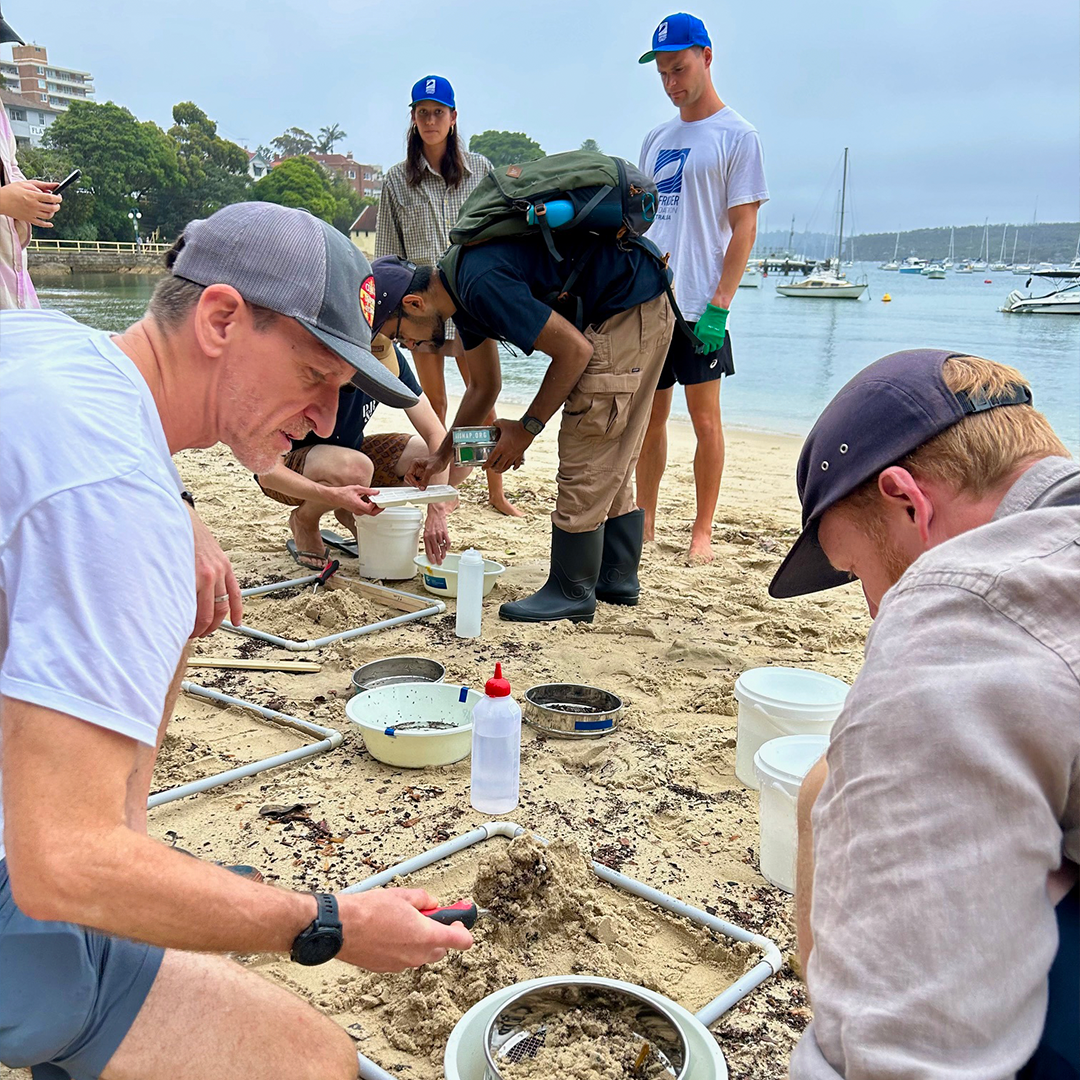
30, 200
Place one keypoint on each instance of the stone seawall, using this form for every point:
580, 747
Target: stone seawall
93, 262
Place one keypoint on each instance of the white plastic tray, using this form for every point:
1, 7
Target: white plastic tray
399, 496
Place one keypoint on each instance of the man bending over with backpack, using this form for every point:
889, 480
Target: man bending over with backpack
603, 377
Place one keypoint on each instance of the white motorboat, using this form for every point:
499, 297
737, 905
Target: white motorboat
912, 265
1023, 270
934, 271
963, 268
1064, 300
828, 283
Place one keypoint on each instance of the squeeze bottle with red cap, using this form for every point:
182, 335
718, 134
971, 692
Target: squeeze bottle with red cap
496, 748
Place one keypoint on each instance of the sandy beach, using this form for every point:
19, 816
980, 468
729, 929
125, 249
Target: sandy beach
657, 799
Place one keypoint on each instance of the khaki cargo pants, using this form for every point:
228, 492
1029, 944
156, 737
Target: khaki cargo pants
605, 416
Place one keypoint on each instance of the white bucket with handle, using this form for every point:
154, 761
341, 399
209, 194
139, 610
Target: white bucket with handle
387, 543
781, 764
777, 701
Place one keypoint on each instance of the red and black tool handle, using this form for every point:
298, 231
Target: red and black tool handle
464, 912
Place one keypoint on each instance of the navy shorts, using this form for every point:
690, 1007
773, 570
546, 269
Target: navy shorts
687, 367
68, 995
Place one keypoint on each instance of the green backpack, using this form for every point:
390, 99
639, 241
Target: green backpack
578, 192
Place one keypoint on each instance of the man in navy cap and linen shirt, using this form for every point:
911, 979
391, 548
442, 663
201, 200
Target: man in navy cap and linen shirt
107, 938
936, 893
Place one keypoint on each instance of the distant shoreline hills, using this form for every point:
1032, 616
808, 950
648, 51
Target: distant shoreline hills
1051, 241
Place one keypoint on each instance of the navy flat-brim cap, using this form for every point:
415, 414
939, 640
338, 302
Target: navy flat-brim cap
393, 278
433, 88
300, 266
883, 414
675, 33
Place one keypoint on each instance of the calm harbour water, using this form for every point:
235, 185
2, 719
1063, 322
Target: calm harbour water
791, 354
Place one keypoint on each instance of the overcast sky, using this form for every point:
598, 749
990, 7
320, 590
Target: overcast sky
954, 110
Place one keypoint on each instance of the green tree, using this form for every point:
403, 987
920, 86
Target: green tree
126, 163
212, 171
329, 135
505, 147
294, 142
301, 182
593, 145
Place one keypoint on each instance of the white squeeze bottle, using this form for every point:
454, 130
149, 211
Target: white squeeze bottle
496, 748
470, 594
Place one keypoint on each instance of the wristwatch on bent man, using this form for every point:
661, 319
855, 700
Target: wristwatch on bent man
532, 425
322, 939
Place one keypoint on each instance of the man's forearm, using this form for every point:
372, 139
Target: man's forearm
476, 403
804, 862
560, 378
297, 486
735, 260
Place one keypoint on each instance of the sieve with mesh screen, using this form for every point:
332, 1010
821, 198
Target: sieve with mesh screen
582, 1029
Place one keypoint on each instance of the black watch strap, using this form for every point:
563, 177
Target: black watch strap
322, 939
532, 425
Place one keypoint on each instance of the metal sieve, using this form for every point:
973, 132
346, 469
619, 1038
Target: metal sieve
518, 1030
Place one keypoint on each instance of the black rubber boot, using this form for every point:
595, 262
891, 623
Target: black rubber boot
570, 590
623, 538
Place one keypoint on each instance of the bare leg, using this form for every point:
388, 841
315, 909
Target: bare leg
653, 459
429, 370
336, 466
207, 1018
703, 401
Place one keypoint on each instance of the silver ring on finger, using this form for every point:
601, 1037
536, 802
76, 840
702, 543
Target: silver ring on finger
221, 599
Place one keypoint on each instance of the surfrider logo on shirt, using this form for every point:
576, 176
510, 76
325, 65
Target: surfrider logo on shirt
668, 174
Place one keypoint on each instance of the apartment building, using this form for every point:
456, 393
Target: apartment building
363, 179
29, 118
30, 75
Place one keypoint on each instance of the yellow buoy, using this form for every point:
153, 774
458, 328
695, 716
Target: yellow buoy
886, 298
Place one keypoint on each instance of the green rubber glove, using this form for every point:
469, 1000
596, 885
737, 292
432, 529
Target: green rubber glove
711, 328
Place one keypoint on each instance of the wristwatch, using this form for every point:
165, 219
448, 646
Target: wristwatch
322, 940
532, 425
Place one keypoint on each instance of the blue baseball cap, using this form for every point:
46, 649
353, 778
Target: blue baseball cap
433, 88
675, 33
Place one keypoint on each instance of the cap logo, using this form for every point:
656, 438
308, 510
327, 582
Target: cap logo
661, 32
367, 299
429, 86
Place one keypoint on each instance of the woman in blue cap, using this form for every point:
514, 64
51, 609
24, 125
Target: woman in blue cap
420, 202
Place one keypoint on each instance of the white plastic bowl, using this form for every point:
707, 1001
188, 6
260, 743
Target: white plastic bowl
380, 714
442, 580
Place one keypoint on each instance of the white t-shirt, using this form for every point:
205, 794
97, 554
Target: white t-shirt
701, 168
97, 563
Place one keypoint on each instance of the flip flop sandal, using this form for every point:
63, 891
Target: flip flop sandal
308, 560
340, 543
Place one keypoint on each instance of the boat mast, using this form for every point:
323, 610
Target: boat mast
1001, 257
843, 196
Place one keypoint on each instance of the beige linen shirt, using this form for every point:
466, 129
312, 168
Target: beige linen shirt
953, 792
415, 222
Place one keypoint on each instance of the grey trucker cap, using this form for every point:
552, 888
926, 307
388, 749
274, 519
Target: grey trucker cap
299, 266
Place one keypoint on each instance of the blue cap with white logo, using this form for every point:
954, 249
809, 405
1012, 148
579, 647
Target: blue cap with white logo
677, 32
433, 88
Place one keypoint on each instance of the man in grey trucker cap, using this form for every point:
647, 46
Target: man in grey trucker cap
112, 944
936, 894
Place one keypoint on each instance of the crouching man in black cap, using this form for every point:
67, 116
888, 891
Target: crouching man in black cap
940, 834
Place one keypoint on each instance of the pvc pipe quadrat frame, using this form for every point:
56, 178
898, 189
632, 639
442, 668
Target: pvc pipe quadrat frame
770, 963
330, 738
436, 607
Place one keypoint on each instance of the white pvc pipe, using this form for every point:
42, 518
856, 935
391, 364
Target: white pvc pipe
370, 1071
436, 607
331, 738
769, 965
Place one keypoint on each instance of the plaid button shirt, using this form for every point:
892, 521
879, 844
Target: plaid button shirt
415, 222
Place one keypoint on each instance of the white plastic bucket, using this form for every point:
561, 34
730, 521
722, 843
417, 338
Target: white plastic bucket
776, 701
387, 543
780, 765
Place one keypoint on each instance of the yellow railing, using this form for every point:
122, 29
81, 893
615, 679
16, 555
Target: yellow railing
146, 248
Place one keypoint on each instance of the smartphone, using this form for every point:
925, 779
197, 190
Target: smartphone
66, 182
